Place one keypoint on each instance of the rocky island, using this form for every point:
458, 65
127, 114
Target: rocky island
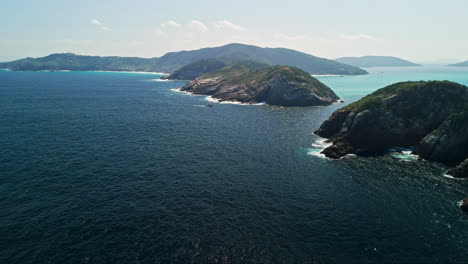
430, 117
251, 82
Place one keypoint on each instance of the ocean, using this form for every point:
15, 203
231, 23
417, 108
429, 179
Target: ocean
105, 167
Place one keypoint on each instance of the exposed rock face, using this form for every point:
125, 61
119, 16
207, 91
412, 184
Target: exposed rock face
464, 205
461, 171
401, 115
448, 144
277, 85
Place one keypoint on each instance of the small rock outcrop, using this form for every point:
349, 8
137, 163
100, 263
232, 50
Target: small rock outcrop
464, 205
276, 85
427, 115
460, 171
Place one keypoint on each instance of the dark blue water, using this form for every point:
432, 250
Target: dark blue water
117, 168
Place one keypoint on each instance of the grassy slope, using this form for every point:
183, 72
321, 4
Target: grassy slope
375, 99
251, 73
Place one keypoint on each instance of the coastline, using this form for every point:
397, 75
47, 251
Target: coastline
137, 72
330, 75
214, 100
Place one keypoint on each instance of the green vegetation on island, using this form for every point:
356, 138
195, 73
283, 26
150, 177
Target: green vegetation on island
251, 82
431, 117
198, 68
173, 61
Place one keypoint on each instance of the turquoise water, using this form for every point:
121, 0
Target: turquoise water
354, 87
100, 167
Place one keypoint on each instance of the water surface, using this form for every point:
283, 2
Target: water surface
103, 167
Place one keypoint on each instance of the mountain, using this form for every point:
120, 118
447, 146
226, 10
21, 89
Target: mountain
376, 61
252, 83
73, 62
461, 64
198, 68
430, 116
175, 60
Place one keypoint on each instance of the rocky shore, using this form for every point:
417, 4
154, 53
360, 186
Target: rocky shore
430, 117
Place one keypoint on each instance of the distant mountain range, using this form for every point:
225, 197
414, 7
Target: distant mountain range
461, 64
376, 61
174, 60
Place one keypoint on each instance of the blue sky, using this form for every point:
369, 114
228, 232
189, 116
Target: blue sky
421, 31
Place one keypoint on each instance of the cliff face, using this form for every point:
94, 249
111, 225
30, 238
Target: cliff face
447, 144
402, 115
460, 171
277, 85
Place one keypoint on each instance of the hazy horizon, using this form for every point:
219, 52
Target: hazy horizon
153, 28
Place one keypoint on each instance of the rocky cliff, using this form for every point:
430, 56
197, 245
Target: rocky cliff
426, 115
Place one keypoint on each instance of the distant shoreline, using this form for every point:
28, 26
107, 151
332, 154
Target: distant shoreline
139, 72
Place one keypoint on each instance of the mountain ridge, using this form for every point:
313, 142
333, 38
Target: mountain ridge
172, 61
376, 61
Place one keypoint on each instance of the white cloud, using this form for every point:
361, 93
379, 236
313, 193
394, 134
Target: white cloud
164, 28
173, 24
224, 24
359, 37
100, 25
197, 25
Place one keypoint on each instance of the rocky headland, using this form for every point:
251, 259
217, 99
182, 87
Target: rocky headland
429, 117
250, 82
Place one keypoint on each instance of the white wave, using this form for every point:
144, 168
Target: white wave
453, 178
327, 75
448, 176
318, 146
404, 155
161, 80
138, 72
214, 100
177, 90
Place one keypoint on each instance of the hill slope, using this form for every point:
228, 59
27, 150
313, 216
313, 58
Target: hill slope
376, 61
276, 85
175, 60
461, 64
198, 68
73, 62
